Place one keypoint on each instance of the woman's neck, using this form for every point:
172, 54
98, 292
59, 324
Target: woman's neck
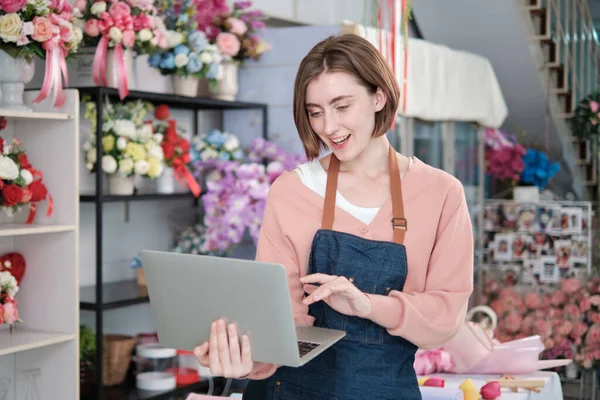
373, 161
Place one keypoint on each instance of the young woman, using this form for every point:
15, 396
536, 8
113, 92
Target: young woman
375, 243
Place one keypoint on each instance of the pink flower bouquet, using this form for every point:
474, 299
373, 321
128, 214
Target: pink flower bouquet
504, 157
566, 318
9, 313
119, 25
45, 29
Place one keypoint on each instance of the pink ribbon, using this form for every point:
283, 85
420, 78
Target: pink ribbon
432, 361
99, 67
56, 71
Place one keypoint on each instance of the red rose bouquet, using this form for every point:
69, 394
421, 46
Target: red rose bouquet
20, 183
176, 148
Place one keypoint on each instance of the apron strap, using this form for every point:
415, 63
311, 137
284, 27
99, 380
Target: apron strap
399, 223
330, 193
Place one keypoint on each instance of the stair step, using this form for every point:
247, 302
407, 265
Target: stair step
536, 10
554, 65
543, 38
561, 91
566, 115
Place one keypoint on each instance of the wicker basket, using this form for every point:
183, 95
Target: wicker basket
116, 356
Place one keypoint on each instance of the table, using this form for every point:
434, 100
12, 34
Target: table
551, 391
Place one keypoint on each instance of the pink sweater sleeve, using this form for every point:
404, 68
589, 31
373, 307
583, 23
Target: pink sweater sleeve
430, 318
274, 247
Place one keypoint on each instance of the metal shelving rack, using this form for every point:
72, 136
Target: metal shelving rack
103, 297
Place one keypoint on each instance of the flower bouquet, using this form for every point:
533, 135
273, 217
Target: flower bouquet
9, 313
586, 121
36, 28
504, 157
188, 56
129, 145
538, 168
566, 317
235, 32
119, 25
176, 151
20, 183
237, 193
212, 148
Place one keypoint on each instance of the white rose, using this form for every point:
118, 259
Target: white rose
115, 34
231, 144
89, 166
27, 176
206, 58
145, 35
8, 169
98, 8
181, 60
121, 143
109, 164
173, 38
209, 154
6, 149
158, 138
91, 155
78, 33
124, 127
142, 167
126, 166
156, 152
145, 133
10, 27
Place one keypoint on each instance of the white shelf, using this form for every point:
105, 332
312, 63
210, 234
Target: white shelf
34, 115
32, 229
26, 339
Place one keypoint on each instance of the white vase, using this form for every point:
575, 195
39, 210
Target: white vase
14, 74
120, 185
185, 85
165, 183
112, 67
526, 194
226, 88
572, 371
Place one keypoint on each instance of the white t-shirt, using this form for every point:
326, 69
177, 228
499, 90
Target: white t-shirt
314, 177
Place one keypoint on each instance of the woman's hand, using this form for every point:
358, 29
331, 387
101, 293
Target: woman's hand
223, 354
338, 292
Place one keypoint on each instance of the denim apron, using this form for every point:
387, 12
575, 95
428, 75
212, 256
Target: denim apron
368, 363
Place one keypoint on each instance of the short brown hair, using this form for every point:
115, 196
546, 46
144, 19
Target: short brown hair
357, 56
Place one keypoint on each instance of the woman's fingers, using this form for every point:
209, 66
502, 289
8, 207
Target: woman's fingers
246, 353
338, 286
234, 350
309, 288
201, 353
223, 348
213, 352
318, 278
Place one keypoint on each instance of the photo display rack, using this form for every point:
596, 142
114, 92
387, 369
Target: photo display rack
537, 243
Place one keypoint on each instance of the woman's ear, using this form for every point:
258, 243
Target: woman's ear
380, 100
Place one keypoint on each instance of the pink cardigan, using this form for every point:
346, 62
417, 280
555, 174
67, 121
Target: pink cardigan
439, 244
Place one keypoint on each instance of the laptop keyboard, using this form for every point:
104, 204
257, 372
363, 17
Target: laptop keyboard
306, 347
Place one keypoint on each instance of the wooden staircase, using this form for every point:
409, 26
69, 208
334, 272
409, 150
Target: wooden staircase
564, 82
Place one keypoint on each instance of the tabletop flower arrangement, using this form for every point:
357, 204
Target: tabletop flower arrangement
504, 156
566, 317
9, 313
235, 31
118, 25
236, 195
188, 55
130, 147
40, 28
176, 151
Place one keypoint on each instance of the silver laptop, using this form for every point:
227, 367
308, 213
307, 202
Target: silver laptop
188, 292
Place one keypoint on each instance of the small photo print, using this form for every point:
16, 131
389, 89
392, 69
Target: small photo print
509, 215
584, 220
562, 248
556, 221
543, 219
526, 221
519, 246
532, 270
580, 248
550, 272
543, 243
503, 247
491, 217
575, 217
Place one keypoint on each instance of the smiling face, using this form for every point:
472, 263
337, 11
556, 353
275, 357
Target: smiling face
341, 112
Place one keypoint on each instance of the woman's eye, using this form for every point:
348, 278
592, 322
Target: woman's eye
314, 114
342, 108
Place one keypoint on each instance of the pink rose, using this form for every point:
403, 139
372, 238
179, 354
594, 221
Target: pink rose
228, 43
128, 38
594, 107
119, 9
585, 304
236, 26
80, 5
42, 29
91, 28
12, 6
